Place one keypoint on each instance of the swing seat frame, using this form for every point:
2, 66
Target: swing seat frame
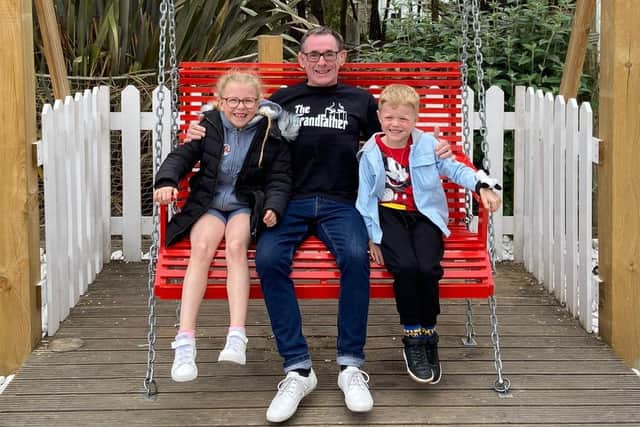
466, 262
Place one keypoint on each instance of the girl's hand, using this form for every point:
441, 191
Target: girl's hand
375, 253
490, 200
270, 218
165, 195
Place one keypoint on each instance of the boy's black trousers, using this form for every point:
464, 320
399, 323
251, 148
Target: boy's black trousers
412, 247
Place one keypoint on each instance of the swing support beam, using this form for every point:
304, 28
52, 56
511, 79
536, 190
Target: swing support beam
619, 181
20, 321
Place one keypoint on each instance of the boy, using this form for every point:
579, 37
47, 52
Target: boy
402, 202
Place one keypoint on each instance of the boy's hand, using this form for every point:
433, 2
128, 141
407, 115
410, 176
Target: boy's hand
165, 195
375, 253
270, 218
443, 149
195, 131
490, 200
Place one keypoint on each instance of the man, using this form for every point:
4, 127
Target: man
333, 118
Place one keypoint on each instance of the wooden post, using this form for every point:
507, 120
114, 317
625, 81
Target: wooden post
619, 181
270, 48
19, 246
52, 47
585, 10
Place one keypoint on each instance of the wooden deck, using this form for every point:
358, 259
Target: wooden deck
560, 375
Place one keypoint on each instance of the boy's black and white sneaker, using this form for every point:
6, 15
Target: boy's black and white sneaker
431, 350
415, 359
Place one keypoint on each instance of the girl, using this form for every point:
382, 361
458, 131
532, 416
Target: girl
244, 182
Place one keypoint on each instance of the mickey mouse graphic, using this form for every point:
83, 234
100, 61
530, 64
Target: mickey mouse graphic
396, 182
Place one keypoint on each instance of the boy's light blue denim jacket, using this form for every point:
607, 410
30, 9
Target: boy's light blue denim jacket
425, 169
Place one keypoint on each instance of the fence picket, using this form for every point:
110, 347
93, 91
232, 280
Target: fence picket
79, 149
547, 192
519, 141
51, 214
495, 139
559, 226
104, 138
572, 206
131, 198
585, 155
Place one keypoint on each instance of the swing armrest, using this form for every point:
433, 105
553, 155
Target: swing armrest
164, 219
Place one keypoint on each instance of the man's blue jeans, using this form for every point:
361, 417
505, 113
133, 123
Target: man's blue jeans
341, 228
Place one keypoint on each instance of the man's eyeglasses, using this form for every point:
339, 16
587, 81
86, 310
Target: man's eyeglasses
329, 56
247, 102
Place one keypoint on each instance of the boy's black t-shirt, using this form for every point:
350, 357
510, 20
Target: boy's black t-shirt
332, 122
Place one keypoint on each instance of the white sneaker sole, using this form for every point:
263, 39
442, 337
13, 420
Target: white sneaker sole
185, 378
413, 377
284, 417
437, 380
232, 357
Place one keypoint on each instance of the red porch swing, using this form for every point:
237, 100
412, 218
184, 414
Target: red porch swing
468, 257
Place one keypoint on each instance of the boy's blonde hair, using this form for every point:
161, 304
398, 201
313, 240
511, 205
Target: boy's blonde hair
239, 77
397, 94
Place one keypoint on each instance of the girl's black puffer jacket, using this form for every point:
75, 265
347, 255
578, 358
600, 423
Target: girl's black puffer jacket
264, 181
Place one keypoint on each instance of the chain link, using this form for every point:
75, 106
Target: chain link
502, 384
484, 145
463, 8
173, 64
150, 385
469, 339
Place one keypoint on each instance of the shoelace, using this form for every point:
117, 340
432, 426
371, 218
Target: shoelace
416, 353
289, 385
359, 379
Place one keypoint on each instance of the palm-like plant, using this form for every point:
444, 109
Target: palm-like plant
110, 37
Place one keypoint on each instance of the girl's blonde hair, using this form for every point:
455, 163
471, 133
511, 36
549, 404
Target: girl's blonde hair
397, 94
239, 77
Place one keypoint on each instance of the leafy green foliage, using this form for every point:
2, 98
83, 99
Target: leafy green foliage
112, 37
523, 43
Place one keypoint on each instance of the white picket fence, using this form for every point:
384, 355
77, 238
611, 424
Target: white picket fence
75, 154
555, 150
552, 195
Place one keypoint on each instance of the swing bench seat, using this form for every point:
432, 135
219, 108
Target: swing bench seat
466, 263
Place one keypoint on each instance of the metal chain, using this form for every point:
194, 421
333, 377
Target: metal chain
173, 64
463, 7
150, 385
469, 339
482, 103
502, 384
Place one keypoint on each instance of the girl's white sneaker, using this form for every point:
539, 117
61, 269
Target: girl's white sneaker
235, 349
184, 362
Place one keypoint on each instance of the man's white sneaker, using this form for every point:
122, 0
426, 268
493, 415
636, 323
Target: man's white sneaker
235, 349
291, 390
184, 362
354, 383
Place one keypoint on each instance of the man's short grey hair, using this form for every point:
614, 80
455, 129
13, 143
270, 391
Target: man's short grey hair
320, 31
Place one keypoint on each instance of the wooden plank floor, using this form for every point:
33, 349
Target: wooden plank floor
560, 375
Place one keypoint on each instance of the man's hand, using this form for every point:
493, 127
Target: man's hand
375, 253
195, 131
165, 195
270, 218
490, 200
443, 149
